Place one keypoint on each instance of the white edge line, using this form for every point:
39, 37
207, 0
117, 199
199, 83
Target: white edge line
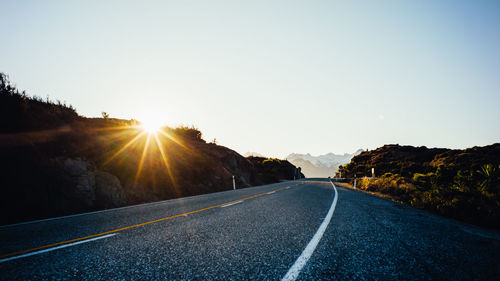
56, 248
271, 192
301, 261
230, 204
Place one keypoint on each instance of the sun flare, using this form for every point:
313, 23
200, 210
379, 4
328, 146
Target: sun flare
149, 133
151, 126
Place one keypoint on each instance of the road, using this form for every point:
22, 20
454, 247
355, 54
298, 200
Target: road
256, 233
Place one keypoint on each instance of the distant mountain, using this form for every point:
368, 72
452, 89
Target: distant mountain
322, 165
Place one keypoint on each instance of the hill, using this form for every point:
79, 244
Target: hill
270, 170
55, 162
320, 166
462, 184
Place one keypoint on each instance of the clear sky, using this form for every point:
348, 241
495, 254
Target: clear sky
273, 77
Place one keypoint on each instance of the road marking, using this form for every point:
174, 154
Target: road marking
230, 204
294, 271
56, 248
87, 213
271, 192
2, 257
108, 210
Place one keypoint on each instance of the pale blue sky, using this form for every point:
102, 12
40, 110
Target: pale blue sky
274, 77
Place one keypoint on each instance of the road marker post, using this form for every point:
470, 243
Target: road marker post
234, 184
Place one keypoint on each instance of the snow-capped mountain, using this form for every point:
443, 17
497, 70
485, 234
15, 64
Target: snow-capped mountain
322, 165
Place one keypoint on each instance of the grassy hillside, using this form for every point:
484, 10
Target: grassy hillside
54, 162
462, 184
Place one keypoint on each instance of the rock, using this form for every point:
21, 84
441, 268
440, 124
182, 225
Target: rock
82, 175
109, 192
84, 188
75, 180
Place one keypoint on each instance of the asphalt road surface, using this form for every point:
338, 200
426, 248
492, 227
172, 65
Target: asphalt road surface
298, 230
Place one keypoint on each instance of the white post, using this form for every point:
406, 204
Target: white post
354, 181
234, 184
373, 172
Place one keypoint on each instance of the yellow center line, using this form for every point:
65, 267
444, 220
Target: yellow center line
132, 226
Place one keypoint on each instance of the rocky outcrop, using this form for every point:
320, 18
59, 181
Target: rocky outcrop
108, 190
79, 182
392, 158
75, 181
232, 163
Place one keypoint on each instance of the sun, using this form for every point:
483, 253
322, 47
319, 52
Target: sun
151, 126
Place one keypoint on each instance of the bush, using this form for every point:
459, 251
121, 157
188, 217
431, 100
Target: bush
21, 113
271, 161
191, 133
470, 196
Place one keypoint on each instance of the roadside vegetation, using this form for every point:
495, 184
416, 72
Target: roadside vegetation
461, 184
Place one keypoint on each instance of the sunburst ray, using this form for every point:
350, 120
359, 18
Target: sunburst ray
172, 138
167, 164
143, 156
125, 147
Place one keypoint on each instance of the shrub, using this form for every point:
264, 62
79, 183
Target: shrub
490, 179
271, 161
191, 133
